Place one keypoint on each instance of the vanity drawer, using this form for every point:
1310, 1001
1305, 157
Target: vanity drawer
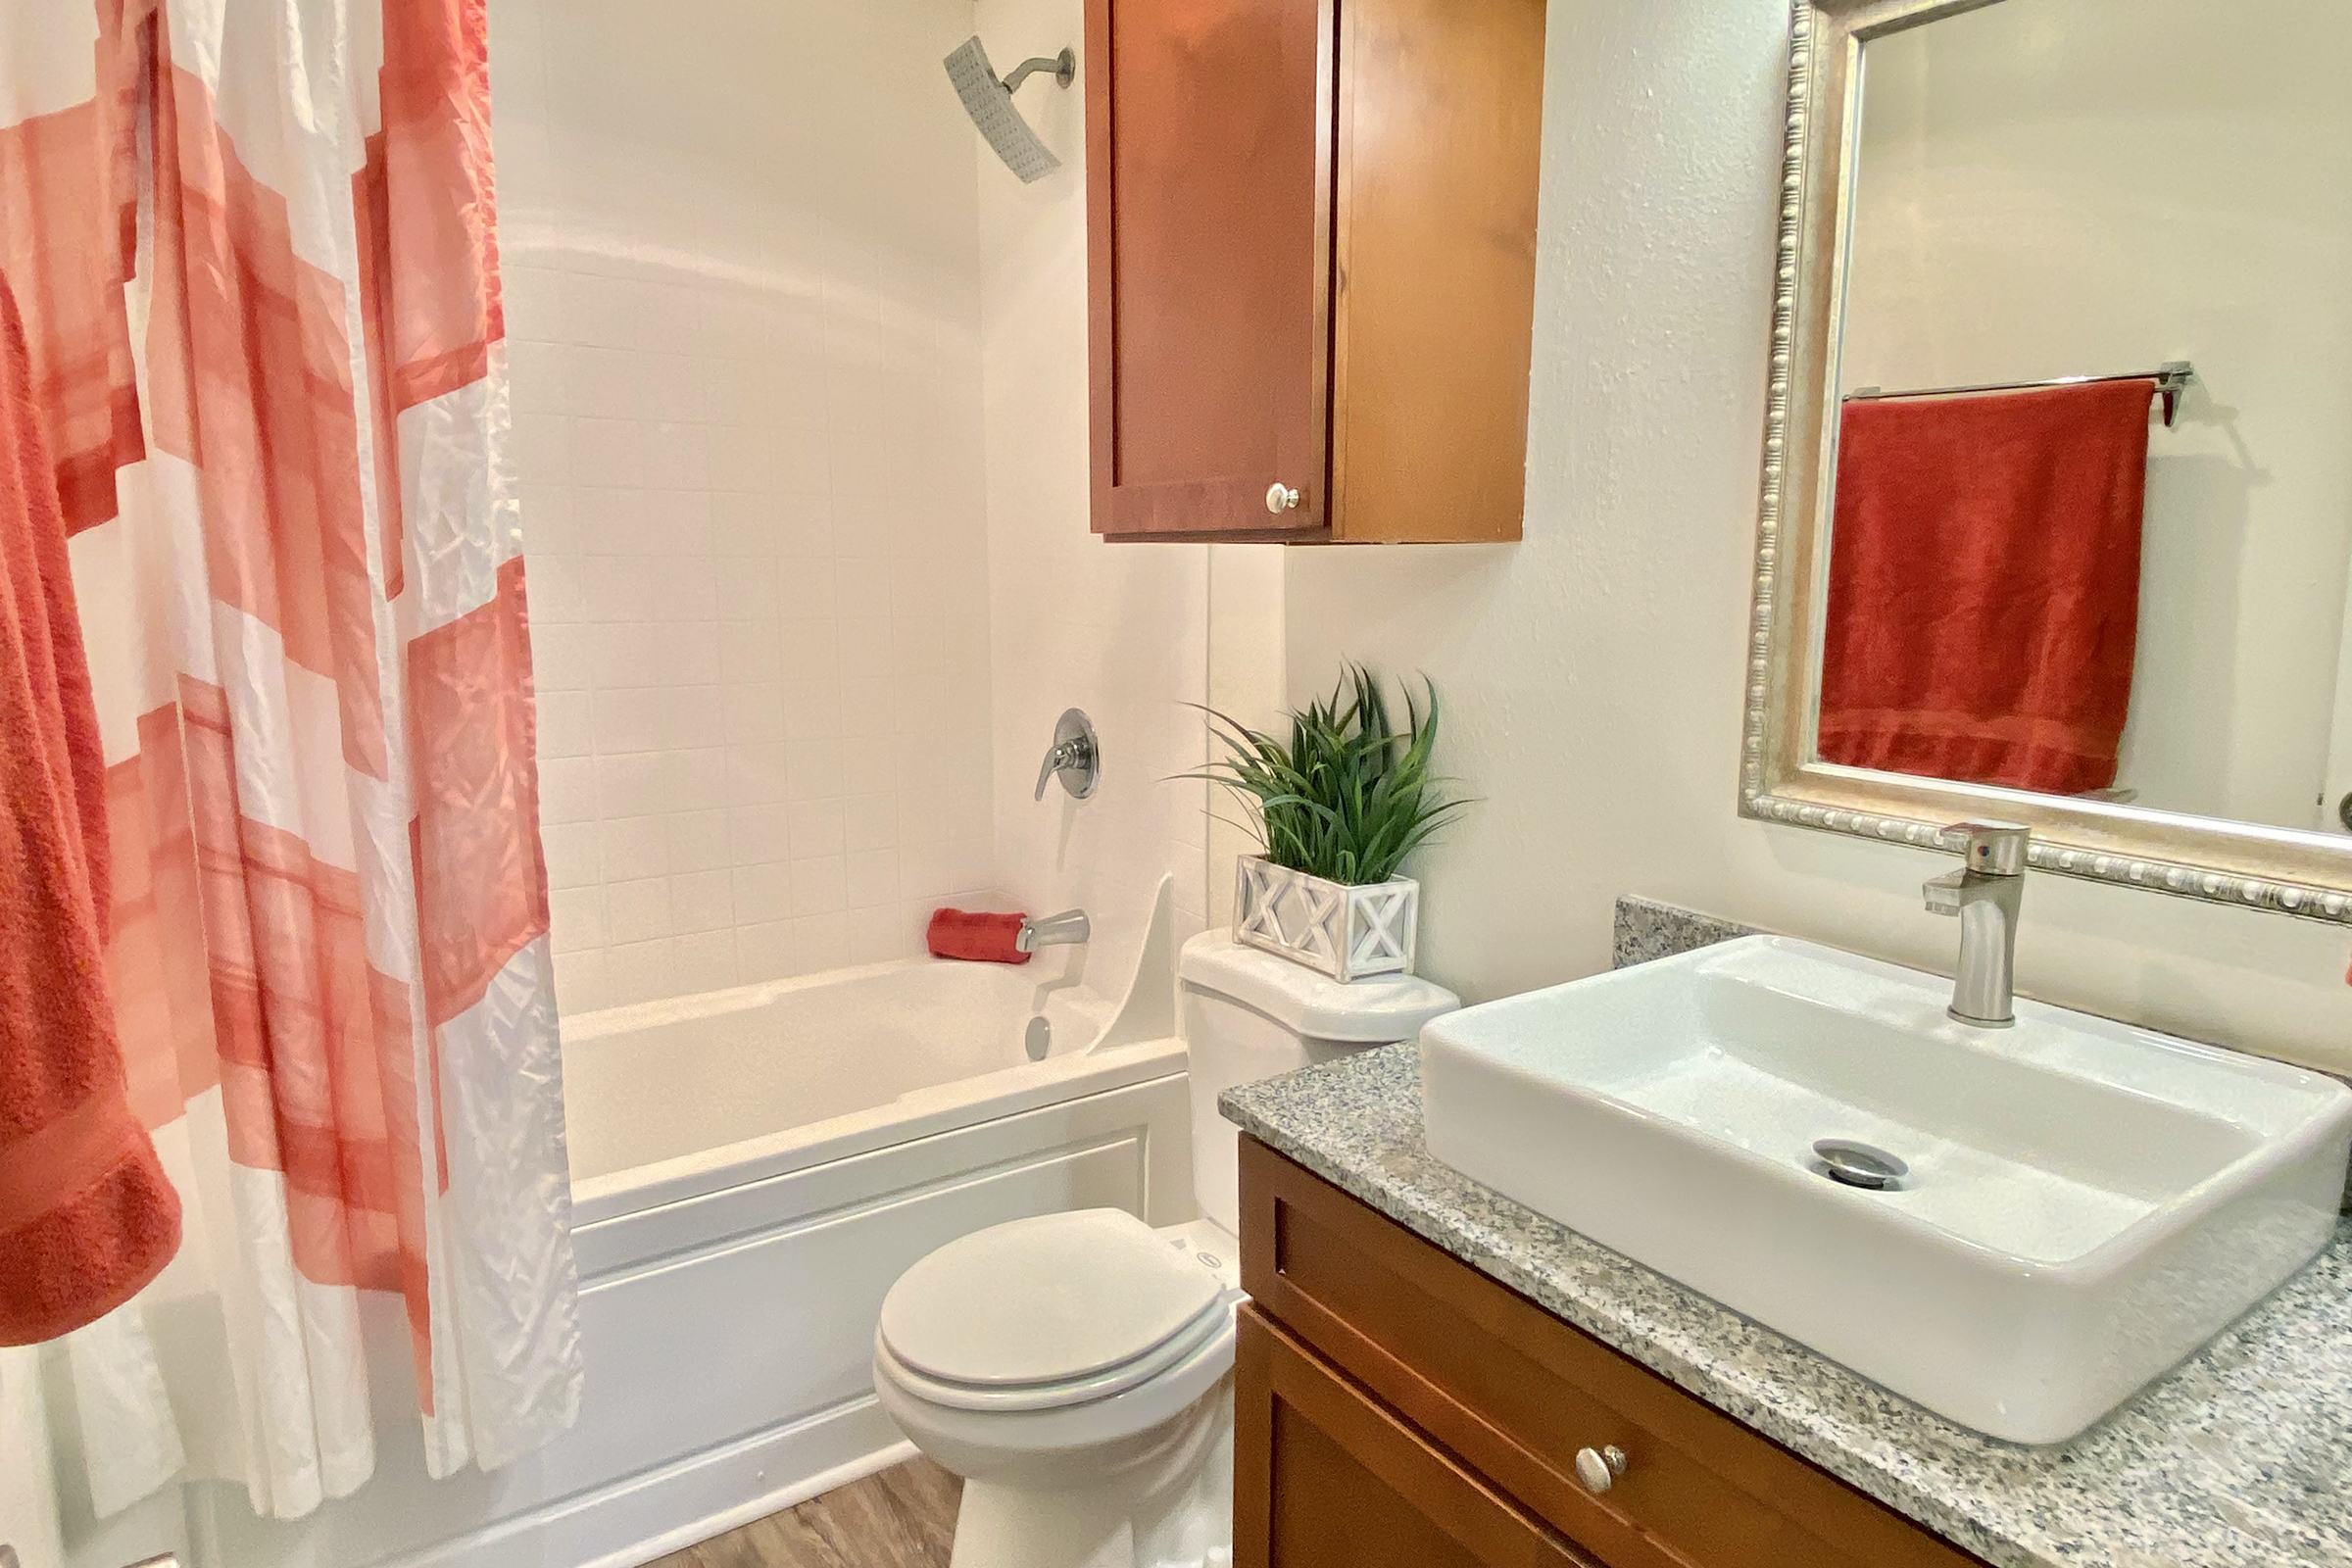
1516, 1392
1345, 1484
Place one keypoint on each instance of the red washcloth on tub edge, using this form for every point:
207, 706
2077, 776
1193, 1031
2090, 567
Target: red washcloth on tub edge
88, 1216
980, 937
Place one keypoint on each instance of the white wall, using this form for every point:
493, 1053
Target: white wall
1119, 630
2103, 186
743, 292
1593, 672
1247, 665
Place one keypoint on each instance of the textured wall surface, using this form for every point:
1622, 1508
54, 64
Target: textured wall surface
1595, 670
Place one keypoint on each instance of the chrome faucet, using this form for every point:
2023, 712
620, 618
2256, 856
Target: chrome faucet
1065, 930
1985, 893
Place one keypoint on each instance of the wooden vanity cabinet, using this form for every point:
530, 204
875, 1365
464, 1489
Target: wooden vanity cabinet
1310, 269
1394, 1405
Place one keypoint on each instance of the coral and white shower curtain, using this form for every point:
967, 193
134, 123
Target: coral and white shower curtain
253, 241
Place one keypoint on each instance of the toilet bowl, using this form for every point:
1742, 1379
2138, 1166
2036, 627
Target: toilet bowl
1058, 1350
1076, 1368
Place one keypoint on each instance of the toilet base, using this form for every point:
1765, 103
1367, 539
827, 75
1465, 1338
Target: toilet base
1173, 1512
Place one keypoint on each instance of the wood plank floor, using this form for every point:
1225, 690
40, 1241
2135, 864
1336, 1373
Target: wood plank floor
903, 1517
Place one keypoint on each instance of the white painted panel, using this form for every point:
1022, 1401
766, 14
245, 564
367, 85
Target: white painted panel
728, 1373
1149, 1115
669, 1510
795, 1328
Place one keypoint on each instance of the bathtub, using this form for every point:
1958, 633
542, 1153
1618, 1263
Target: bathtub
751, 1170
673, 1099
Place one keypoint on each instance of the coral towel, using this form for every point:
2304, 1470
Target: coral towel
1985, 585
86, 1214
985, 938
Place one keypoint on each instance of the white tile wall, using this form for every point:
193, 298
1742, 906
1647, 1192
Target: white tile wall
744, 327
1119, 631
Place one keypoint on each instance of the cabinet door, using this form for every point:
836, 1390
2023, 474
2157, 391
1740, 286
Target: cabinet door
1208, 151
1325, 1478
1515, 1392
1440, 117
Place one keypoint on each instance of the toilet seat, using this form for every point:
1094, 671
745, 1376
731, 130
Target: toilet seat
1048, 1311
1118, 1378
1098, 1437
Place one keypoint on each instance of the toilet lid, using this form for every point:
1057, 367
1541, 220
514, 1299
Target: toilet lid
1044, 1300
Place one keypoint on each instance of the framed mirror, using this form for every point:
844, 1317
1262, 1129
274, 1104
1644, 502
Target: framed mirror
2056, 522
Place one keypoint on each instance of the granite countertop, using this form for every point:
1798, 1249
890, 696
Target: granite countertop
2241, 1457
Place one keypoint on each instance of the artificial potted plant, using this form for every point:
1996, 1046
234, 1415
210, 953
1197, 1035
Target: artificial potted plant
1338, 809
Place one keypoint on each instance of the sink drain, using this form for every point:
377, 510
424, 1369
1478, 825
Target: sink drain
1859, 1164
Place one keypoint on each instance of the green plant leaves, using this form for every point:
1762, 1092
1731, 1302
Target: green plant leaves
1349, 797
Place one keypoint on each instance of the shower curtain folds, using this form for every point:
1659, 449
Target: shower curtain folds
254, 245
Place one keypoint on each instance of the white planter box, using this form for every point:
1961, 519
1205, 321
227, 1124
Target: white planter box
1345, 932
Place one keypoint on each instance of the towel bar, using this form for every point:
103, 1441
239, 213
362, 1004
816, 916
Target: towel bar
2171, 378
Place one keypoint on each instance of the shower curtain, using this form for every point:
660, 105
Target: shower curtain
252, 240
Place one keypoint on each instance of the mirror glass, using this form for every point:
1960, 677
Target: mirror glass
2049, 587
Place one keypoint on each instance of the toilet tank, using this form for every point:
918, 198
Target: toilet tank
1246, 1014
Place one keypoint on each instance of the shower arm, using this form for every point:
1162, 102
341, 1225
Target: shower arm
1064, 67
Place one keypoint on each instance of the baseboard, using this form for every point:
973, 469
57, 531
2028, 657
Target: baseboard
634, 1521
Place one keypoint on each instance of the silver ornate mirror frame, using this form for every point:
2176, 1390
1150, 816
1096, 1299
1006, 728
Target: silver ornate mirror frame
2246, 864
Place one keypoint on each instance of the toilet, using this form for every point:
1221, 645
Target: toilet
1076, 1368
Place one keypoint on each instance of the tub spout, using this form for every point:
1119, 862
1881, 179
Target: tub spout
1067, 929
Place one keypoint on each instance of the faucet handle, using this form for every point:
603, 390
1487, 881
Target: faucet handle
1993, 848
1056, 759
1075, 756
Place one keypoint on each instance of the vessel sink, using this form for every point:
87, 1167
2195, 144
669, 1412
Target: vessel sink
2082, 1203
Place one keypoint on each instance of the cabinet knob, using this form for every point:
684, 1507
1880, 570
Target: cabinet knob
1599, 1469
1280, 498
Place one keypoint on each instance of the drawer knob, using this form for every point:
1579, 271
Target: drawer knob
1599, 1468
1280, 498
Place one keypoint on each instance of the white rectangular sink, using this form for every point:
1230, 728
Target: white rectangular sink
2086, 1202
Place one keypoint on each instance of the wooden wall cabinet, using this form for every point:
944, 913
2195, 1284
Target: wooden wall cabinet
1393, 1406
1311, 250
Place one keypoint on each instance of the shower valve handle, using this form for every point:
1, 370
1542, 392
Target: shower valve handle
1075, 757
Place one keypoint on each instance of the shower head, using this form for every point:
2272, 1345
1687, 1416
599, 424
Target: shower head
990, 104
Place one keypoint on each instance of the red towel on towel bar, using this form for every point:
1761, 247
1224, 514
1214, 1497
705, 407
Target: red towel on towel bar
88, 1216
1984, 594
982, 937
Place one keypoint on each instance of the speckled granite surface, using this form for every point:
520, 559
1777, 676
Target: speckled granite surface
2242, 1458
1647, 929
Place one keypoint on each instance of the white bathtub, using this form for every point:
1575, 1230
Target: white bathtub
674, 1098
751, 1170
